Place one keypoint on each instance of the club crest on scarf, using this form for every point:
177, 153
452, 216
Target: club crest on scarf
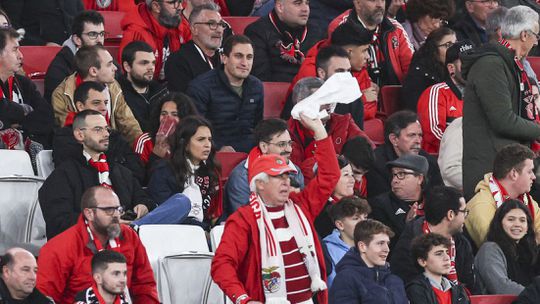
103, 3
271, 279
291, 52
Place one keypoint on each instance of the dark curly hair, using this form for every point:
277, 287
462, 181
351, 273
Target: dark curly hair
184, 106
428, 54
443, 9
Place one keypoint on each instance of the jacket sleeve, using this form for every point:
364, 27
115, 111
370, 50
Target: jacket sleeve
143, 286
200, 96
316, 193
417, 294
480, 216
493, 269
432, 113
159, 187
61, 106
178, 72
40, 122
531, 294
126, 122
54, 270
401, 261
55, 75
466, 269
262, 67
406, 52
345, 290
237, 189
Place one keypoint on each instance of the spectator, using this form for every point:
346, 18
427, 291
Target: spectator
272, 137
425, 16
472, 25
345, 215
405, 200
531, 293
358, 152
281, 39
427, 66
445, 211
33, 114
160, 24
323, 12
347, 50
200, 54
441, 103
430, 252
363, 275
391, 50
65, 261
87, 29
109, 5
451, 154
403, 135
512, 178
109, 274
91, 168
340, 128
231, 99
191, 170
152, 146
244, 267
18, 278
496, 113
94, 63
140, 89
508, 261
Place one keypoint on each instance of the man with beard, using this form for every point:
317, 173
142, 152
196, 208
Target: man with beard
200, 54
138, 85
109, 271
65, 261
160, 24
61, 209
441, 103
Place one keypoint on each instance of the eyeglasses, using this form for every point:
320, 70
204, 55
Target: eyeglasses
110, 210
214, 25
175, 3
281, 144
537, 36
401, 175
465, 211
94, 35
447, 45
98, 130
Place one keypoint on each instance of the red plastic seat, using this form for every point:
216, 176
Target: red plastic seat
238, 24
391, 95
374, 128
274, 95
114, 50
40, 84
112, 26
228, 161
535, 64
493, 299
36, 59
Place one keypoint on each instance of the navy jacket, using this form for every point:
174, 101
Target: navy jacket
356, 283
233, 117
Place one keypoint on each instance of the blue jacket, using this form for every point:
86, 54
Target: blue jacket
233, 117
356, 283
337, 248
237, 187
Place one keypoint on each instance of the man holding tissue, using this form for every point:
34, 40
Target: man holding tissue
340, 127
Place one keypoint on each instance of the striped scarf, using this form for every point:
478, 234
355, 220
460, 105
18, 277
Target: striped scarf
92, 296
103, 170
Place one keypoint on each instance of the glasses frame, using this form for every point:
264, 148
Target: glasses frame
93, 35
465, 211
214, 25
110, 210
98, 130
403, 174
447, 45
281, 144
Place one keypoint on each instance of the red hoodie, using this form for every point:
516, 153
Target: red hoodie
116, 5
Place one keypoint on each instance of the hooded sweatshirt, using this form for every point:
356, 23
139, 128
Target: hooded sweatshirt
337, 248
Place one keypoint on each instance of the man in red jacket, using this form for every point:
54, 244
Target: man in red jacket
249, 266
65, 260
160, 24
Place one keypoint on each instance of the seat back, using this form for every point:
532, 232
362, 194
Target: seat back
239, 23
44, 161
37, 59
15, 162
228, 161
374, 128
274, 97
215, 236
215, 294
112, 27
493, 299
114, 50
535, 64
391, 95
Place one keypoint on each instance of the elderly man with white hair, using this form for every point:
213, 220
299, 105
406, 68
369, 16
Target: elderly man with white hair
270, 252
498, 107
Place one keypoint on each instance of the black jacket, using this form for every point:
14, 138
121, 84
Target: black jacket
419, 291
379, 177
66, 147
402, 263
421, 75
466, 28
233, 117
61, 193
271, 62
36, 297
531, 293
62, 66
186, 64
141, 104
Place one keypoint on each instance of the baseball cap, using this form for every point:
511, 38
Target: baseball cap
270, 164
454, 52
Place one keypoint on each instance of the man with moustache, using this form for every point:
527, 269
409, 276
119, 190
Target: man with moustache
61, 208
65, 261
160, 24
200, 54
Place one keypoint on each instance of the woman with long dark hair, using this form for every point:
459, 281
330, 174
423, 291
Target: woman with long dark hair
427, 66
191, 170
507, 261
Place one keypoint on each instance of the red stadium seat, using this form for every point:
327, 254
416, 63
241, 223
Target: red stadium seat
40, 84
535, 64
493, 299
113, 50
228, 161
36, 59
390, 95
112, 26
374, 128
239, 24
274, 95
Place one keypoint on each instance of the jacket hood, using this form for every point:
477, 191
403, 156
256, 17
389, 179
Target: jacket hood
334, 239
352, 260
491, 49
483, 185
133, 19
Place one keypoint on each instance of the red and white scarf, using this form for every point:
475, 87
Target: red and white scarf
113, 244
273, 270
452, 275
102, 167
92, 296
500, 195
